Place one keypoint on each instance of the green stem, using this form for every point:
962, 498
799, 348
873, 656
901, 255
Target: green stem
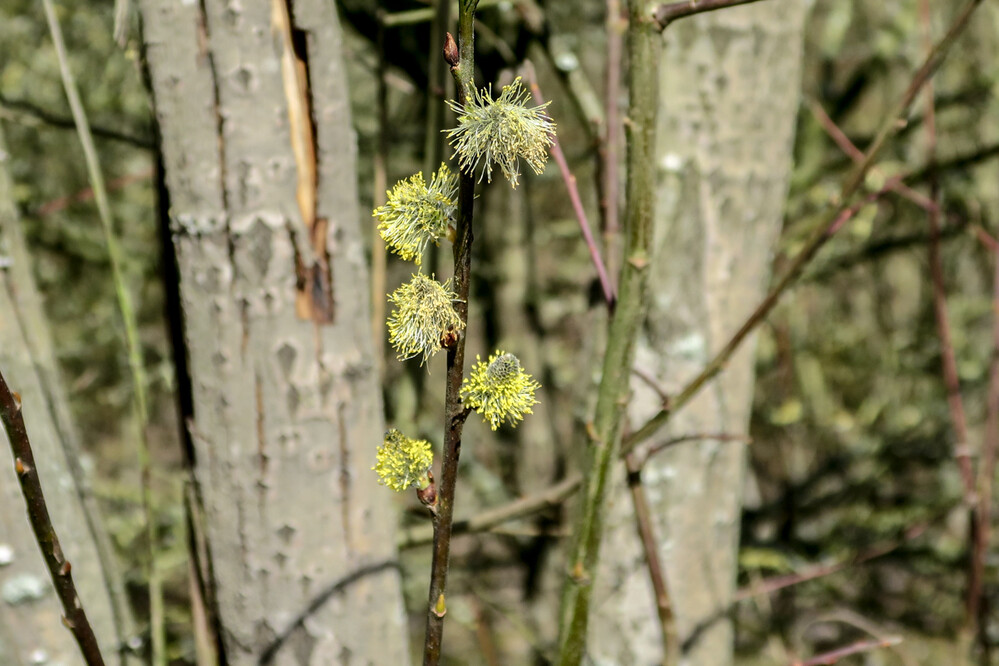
140, 401
644, 44
454, 413
822, 233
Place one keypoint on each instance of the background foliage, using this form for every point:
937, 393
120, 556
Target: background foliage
852, 442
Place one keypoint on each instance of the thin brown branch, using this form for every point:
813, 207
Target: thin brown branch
671, 11
834, 656
683, 439
775, 583
454, 412
74, 617
948, 358
986, 472
379, 254
822, 233
857, 155
486, 520
985, 238
577, 203
657, 575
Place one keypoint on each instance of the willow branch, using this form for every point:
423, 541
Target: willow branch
657, 574
671, 11
830, 223
490, 518
644, 46
834, 656
454, 412
74, 617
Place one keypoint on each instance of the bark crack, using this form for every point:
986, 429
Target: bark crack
314, 293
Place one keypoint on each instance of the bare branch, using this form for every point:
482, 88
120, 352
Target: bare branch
74, 617
671, 11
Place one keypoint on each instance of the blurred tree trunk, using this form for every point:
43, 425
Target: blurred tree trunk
31, 629
253, 107
730, 88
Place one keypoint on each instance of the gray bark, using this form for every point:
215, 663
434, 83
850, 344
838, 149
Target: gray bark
287, 413
730, 89
31, 630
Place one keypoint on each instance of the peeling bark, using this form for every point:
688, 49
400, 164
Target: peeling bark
260, 165
729, 91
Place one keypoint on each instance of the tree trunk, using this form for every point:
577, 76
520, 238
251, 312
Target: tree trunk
31, 630
253, 106
729, 89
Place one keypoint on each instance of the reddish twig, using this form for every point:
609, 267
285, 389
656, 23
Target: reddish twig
671, 11
948, 357
717, 364
857, 155
985, 238
577, 202
986, 470
833, 656
822, 233
87, 193
775, 583
59, 567
609, 185
692, 437
650, 546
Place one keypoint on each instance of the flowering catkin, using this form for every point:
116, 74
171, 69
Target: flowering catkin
416, 214
424, 312
402, 462
499, 390
501, 131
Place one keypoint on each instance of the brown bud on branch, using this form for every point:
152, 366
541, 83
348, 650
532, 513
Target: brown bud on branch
450, 51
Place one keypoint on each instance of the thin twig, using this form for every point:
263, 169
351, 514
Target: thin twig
657, 574
833, 656
577, 203
987, 468
454, 412
132, 342
948, 357
414, 16
669, 12
857, 155
775, 583
75, 618
490, 518
379, 258
26, 113
682, 439
609, 197
821, 235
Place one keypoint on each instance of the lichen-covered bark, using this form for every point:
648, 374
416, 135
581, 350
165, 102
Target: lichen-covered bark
260, 165
729, 90
31, 630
